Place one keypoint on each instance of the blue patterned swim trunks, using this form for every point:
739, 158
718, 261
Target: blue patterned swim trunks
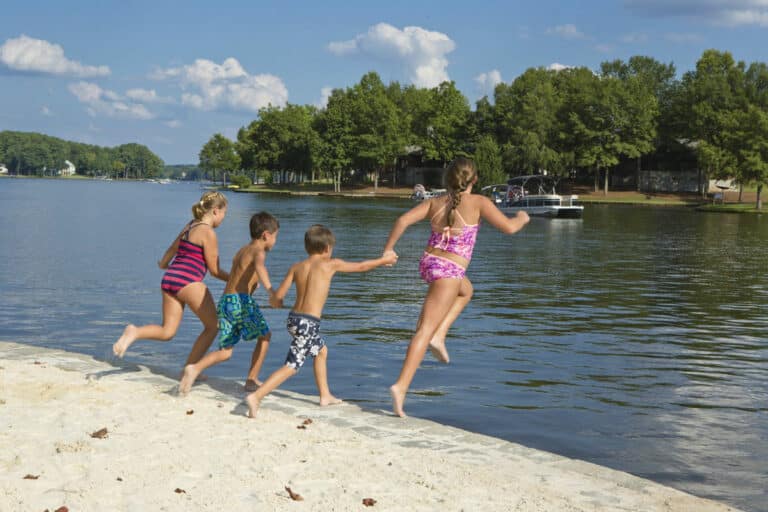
239, 318
305, 330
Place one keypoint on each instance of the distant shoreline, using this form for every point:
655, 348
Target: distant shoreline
619, 197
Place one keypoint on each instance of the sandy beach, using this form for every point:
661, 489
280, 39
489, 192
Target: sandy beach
91, 435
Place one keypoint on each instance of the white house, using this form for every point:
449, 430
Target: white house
69, 170
3, 169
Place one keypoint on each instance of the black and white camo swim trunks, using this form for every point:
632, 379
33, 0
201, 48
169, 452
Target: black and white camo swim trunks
305, 330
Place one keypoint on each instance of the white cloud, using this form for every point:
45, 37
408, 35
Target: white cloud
325, 93
487, 82
147, 96
421, 52
568, 31
556, 66
31, 55
212, 86
46, 111
719, 12
105, 102
173, 123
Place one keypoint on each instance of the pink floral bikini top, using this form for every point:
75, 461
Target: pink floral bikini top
459, 241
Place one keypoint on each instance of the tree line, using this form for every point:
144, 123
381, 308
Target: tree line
575, 121
36, 154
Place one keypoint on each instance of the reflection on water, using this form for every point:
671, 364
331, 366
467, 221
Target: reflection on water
633, 338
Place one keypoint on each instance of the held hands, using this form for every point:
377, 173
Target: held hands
274, 302
389, 257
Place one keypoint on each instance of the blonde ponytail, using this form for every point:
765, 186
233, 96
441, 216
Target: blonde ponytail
209, 201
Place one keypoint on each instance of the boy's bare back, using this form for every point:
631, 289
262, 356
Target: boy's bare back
247, 270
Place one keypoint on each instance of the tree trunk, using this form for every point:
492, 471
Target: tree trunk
759, 202
597, 179
375, 181
605, 190
637, 179
741, 191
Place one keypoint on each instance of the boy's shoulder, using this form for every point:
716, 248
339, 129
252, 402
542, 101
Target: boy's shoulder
250, 251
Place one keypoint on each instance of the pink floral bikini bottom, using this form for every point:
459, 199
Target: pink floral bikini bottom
432, 268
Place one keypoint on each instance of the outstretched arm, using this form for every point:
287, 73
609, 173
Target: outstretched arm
389, 258
497, 219
412, 216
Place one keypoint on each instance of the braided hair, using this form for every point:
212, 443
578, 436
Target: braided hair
459, 175
208, 202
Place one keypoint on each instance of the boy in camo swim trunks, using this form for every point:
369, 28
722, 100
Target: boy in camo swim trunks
239, 315
313, 282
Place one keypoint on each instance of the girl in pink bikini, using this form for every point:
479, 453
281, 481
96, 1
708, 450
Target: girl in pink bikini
193, 253
455, 220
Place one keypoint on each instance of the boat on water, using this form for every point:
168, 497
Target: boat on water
420, 193
536, 195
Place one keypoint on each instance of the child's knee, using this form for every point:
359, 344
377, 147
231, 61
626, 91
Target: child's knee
226, 353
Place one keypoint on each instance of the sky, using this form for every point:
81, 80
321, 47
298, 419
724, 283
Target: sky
169, 74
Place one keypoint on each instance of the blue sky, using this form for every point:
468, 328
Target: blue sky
169, 74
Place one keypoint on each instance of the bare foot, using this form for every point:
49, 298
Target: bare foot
124, 341
190, 374
200, 378
398, 398
439, 351
253, 404
330, 400
252, 384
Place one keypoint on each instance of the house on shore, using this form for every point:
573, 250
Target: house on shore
413, 168
3, 169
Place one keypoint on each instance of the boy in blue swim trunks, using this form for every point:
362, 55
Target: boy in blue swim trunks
239, 315
313, 282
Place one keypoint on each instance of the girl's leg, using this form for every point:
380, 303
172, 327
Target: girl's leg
440, 297
273, 382
252, 382
191, 371
437, 343
173, 308
200, 301
321, 379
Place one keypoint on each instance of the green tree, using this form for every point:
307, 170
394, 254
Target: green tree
711, 95
218, 154
488, 161
334, 126
528, 125
377, 135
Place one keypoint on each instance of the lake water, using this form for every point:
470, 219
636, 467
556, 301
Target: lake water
635, 338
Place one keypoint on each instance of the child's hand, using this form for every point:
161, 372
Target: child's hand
274, 301
390, 258
523, 216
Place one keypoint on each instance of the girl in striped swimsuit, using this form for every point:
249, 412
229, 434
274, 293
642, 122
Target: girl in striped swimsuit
194, 252
455, 221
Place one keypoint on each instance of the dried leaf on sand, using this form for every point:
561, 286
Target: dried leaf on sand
100, 434
294, 496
